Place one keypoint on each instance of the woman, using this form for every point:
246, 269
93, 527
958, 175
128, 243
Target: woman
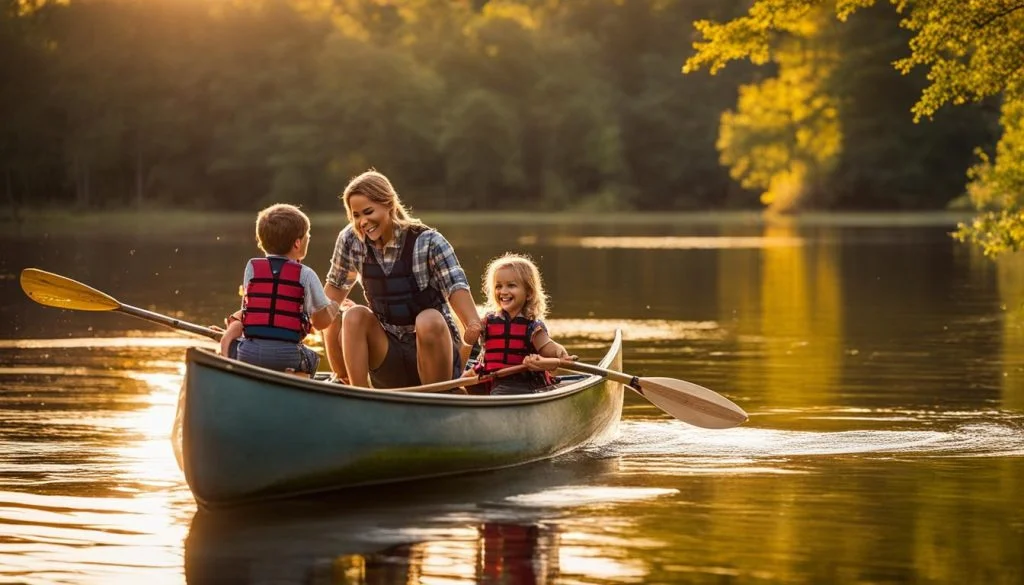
405, 335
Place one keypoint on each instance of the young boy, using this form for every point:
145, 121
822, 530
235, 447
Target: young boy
283, 298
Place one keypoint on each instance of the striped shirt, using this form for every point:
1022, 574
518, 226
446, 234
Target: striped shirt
433, 259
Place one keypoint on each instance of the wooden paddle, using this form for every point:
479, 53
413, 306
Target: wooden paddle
688, 402
684, 400
54, 290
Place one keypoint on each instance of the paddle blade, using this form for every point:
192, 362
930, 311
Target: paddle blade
691, 403
54, 290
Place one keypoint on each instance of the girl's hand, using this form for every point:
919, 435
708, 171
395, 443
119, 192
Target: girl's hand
538, 363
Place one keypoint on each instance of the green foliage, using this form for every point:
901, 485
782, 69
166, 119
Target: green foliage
970, 51
996, 232
531, 104
484, 151
997, 188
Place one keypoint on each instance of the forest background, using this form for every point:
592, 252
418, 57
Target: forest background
491, 105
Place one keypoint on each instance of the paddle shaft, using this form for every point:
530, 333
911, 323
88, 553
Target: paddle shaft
171, 322
461, 382
631, 381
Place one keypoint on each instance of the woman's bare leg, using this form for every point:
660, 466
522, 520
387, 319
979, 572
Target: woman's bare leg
364, 344
332, 347
433, 347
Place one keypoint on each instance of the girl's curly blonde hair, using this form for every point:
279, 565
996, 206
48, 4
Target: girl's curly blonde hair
536, 306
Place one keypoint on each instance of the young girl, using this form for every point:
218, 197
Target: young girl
514, 332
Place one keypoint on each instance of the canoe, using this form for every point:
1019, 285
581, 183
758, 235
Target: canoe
246, 434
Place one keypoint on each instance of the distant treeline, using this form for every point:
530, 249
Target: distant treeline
466, 104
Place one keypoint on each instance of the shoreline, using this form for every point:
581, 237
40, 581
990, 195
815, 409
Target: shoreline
50, 222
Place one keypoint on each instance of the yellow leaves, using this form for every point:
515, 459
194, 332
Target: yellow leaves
349, 27
997, 188
996, 232
739, 39
513, 11
785, 130
844, 8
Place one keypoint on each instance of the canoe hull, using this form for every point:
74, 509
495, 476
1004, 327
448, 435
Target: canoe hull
248, 434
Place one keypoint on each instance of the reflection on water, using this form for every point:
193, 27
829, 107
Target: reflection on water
883, 370
522, 529
90, 491
679, 243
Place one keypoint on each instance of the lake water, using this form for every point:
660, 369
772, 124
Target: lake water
882, 368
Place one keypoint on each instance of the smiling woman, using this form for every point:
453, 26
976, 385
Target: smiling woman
405, 335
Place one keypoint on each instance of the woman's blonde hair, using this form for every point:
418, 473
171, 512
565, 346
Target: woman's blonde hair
536, 306
378, 189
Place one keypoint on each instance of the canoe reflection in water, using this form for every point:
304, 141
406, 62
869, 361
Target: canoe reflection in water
467, 529
506, 553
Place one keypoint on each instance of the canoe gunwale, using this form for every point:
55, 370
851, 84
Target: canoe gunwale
209, 358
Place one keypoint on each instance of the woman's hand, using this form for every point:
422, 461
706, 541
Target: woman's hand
472, 333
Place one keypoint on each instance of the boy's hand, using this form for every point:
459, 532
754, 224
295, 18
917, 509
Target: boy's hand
236, 316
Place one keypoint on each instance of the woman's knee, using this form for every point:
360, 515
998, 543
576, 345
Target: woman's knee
431, 323
358, 318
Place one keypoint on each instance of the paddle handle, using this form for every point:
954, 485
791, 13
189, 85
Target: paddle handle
171, 322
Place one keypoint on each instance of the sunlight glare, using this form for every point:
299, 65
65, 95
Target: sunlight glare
678, 242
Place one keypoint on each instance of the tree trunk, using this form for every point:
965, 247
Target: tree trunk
76, 175
81, 174
12, 201
140, 194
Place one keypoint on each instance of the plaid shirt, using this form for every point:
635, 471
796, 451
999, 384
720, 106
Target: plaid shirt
433, 264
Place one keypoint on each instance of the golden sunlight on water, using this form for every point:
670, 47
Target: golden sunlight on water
108, 442
105, 342
673, 242
635, 329
885, 439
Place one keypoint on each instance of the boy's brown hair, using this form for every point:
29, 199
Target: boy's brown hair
278, 226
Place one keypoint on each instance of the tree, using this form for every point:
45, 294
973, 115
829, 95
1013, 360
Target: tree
971, 51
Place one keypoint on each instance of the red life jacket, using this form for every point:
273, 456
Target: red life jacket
272, 307
506, 343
